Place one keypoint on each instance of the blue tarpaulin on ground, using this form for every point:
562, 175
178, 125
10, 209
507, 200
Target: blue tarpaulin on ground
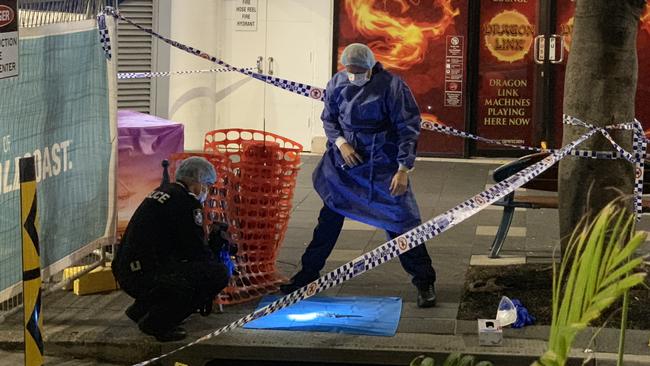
377, 316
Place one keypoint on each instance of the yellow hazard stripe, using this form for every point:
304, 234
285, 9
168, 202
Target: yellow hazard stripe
31, 264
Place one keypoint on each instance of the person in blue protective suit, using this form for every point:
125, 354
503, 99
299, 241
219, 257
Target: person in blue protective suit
372, 123
164, 260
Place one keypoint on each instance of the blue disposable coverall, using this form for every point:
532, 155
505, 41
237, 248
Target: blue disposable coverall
381, 121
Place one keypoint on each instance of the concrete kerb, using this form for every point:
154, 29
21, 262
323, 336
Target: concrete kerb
326, 347
605, 340
87, 343
388, 351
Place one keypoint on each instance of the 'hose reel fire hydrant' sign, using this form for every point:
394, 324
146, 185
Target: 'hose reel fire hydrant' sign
246, 15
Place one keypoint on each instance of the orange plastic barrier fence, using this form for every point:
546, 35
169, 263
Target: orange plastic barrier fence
258, 188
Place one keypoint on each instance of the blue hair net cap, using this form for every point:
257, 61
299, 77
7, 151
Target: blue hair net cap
196, 169
358, 54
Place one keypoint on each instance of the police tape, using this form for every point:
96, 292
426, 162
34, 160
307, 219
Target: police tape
157, 74
399, 245
610, 155
319, 93
639, 147
292, 86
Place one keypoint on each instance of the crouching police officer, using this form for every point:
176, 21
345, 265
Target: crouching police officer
164, 261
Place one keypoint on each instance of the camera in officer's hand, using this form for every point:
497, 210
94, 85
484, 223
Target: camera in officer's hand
232, 249
218, 238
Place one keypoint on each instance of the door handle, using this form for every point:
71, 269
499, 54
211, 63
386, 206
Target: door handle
260, 62
555, 41
270, 68
539, 50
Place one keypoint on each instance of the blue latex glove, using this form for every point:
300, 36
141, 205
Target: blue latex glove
523, 317
224, 257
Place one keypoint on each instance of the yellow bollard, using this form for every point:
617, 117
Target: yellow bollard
31, 265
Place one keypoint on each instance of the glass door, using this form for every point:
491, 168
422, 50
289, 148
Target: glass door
505, 103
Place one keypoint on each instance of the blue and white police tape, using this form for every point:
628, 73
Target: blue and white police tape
318, 93
637, 157
292, 86
438, 127
104, 38
572, 121
157, 74
639, 146
399, 245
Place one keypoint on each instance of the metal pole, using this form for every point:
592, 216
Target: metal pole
31, 264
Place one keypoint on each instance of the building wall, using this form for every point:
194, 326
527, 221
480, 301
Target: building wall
191, 99
188, 99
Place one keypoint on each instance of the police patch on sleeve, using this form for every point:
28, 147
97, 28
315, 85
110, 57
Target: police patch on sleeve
198, 216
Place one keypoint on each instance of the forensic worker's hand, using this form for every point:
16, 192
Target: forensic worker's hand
350, 156
399, 183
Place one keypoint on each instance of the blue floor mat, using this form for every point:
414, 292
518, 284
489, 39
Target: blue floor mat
377, 316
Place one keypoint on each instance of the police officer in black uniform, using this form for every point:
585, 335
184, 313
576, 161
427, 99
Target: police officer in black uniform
164, 261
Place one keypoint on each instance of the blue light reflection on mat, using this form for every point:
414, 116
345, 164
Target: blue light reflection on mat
377, 316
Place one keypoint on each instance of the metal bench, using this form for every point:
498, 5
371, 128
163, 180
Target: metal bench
547, 182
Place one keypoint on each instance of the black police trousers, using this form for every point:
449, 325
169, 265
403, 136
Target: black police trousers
169, 296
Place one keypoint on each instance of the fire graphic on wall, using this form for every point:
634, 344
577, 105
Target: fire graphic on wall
399, 42
645, 19
566, 30
431, 118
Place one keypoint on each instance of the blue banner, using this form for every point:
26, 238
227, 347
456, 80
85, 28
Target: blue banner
57, 110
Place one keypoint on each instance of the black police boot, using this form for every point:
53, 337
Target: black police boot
427, 296
172, 335
301, 279
136, 311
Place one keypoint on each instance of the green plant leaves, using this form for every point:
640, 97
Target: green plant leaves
595, 272
423, 361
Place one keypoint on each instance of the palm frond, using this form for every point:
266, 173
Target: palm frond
596, 270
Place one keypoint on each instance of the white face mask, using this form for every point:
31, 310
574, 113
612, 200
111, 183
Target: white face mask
359, 79
202, 196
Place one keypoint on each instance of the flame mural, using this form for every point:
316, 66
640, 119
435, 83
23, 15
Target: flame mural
399, 42
431, 117
423, 42
645, 19
566, 30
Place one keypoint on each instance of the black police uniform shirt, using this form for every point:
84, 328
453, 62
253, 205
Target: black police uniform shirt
165, 229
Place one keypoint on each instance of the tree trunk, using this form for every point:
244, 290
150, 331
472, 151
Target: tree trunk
600, 89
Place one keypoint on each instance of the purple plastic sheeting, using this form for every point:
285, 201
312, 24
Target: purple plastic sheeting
144, 141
